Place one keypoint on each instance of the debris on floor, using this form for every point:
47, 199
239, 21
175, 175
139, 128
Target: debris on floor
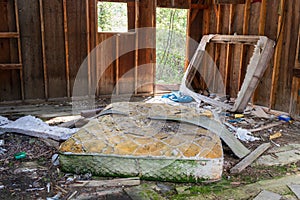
35, 127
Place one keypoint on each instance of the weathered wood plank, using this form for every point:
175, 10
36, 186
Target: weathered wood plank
147, 55
120, 182
30, 26
250, 158
76, 14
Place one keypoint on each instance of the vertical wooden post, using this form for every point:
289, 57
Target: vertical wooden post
46, 88
262, 17
66, 48
187, 51
277, 54
88, 46
261, 30
229, 52
245, 32
117, 64
136, 46
19, 50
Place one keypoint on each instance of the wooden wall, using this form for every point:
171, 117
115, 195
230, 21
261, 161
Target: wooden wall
56, 36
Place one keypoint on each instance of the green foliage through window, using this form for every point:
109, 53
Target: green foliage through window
112, 17
170, 45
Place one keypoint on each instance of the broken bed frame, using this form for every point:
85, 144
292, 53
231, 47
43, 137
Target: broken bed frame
264, 49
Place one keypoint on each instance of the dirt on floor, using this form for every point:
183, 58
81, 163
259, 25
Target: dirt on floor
38, 177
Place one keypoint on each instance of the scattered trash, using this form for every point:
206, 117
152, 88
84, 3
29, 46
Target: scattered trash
275, 135
284, 118
238, 115
2, 151
1, 142
235, 120
245, 135
2, 187
242, 134
48, 187
34, 189
55, 159
55, 197
178, 97
20, 155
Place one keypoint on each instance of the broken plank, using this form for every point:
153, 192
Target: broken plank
265, 127
295, 189
259, 112
250, 158
234, 144
266, 195
108, 183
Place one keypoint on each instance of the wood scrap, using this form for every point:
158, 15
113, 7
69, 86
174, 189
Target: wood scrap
266, 127
108, 183
250, 158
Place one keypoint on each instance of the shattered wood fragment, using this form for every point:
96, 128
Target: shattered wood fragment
91, 113
108, 183
234, 144
250, 158
267, 195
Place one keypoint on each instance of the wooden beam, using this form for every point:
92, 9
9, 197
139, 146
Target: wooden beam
235, 39
136, 46
9, 35
262, 17
88, 46
229, 53
66, 48
19, 50
250, 158
230, 1
243, 49
46, 89
117, 64
278, 50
